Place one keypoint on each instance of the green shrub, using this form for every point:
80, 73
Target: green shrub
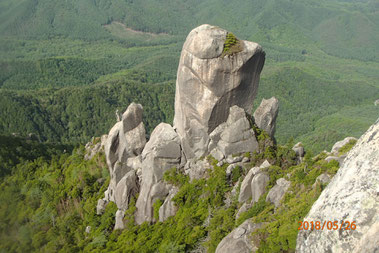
231, 45
347, 147
236, 173
157, 204
175, 177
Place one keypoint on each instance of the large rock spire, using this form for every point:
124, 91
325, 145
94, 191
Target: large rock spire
210, 81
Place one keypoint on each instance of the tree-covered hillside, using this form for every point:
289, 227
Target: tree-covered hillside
48, 204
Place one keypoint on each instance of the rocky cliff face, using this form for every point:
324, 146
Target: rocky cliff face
214, 97
351, 196
208, 84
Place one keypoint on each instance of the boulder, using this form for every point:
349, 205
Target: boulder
258, 186
220, 163
246, 187
88, 229
119, 224
126, 188
277, 192
235, 136
338, 145
352, 195
299, 149
161, 153
245, 191
198, 169
339, 159
265, 164
125, 140
217, 154
208, 84
240, 239
168, 207
245, 160
94, 146
323, 179
235, 159
100, 207
265, 115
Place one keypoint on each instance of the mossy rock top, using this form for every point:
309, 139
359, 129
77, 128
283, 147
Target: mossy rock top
232, 45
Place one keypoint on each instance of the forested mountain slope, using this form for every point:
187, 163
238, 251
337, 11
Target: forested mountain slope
342, 28
309, 44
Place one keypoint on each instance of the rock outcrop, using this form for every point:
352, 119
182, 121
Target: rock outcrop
240, 239
300, 152
209, 84
245, 191
352, 195
119, 217
338, 145
322, 179
168, 207
161, 153
248, 190
125, 141
277, 192
235, 136
265, 115
127, 187
214, 98
258, 186
123, 147
95, 146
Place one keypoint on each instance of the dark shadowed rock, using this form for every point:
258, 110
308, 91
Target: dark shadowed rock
265, 115
208, 85
352, 195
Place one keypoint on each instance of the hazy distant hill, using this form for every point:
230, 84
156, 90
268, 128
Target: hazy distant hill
343, 28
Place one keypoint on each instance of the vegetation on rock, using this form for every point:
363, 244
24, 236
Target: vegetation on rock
232, 45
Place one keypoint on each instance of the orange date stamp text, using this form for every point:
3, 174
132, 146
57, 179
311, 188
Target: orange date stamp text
327, 225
